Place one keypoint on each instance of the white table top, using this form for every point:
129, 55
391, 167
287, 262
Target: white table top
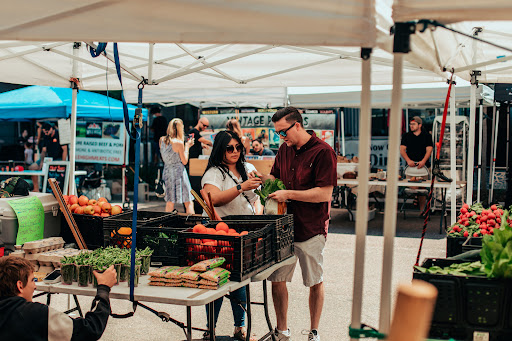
34, 172
402, 183
147, 293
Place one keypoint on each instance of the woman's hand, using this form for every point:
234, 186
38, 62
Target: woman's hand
190, 142
254, 174
250, 184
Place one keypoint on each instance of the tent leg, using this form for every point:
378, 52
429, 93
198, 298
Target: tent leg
471, 145
480, 141
494, 141
453, 159
391, 193
365, 122
72, 146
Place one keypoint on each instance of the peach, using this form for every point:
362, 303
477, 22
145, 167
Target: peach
74, 207
83, 200
92, 202
73, 200
79, 210
102, 199
106, 207
116, 210
97, 209
89, 210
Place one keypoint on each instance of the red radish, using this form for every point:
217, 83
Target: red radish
491, 216
494, 207
475, 234
483, 232
490, 230
491, 222
466, 223
483, 218
478, 221
466, 234
463, 210
465, 206
498, 220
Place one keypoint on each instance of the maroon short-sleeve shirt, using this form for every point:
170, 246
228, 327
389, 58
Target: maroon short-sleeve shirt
313, 165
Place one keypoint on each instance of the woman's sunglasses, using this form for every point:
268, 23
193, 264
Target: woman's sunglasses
231, 149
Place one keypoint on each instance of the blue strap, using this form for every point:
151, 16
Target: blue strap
95, 52
135, 197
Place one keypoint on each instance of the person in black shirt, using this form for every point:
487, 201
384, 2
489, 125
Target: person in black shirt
51, 147
22, 319
197, 149
159, 129
416, 148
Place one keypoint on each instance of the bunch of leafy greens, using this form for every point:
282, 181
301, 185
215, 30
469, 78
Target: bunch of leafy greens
460, 269
497, 251
269, 186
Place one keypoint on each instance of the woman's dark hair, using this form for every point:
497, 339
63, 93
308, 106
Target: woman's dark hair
219, 150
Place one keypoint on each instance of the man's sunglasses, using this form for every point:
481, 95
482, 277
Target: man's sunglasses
205, 125
283, 132
231, 149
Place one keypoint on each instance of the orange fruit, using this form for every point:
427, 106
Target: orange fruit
222, 227
231, 231
199, 228
210, 230
222, 232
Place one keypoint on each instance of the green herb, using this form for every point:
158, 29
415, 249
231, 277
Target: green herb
269, 186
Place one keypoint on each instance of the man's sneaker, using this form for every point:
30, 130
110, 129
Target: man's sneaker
312, 335
280, 336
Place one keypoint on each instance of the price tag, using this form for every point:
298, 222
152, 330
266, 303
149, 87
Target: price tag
480, 336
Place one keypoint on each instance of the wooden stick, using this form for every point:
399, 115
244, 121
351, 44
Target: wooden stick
202, 203
215, 215
413, 311
67, 214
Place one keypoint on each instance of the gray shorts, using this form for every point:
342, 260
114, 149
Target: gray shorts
310, 255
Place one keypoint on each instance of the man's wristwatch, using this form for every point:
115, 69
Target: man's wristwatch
239, 188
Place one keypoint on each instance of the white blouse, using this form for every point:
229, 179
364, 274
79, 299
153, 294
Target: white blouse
214, 176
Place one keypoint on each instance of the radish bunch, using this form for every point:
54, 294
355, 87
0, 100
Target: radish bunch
476, 221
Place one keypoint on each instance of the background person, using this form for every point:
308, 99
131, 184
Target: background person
22, 319
307, 167
197, 148
51, 147
259, 149
234, 126
175, 154
159, 129
232, 191
416, 148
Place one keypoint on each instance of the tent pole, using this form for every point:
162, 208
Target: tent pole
494, 143
480, 141
365, 124
453, 159
342, 119
72, 146
407, 119
390, 213
471, 145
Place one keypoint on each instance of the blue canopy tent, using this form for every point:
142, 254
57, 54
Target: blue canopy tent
43, 102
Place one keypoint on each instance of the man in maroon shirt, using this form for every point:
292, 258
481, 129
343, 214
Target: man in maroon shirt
307, 167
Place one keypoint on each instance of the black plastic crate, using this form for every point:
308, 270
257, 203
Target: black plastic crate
245, 255
454, 245
471, 244
144, 218
91, 229
193, 219
164, 241
468, 304
284, 231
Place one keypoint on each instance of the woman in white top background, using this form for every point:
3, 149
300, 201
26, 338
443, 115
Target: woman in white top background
232, 193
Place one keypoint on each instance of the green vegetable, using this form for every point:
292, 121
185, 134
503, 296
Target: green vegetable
497, 253
456, 269
269, 186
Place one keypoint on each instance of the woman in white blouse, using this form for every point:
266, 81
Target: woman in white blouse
232, 192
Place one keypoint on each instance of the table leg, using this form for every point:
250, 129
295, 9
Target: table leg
48, 299
443, 211
189, 323
249, 317
265, 309
211, 320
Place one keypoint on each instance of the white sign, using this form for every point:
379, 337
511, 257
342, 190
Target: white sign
100, 142
378, 152
64, 131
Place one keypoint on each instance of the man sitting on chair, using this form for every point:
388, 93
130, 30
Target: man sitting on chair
416, 148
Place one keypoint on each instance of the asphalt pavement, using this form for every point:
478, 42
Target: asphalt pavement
338, 279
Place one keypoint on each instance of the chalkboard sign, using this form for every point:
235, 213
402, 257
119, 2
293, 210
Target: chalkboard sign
59, 170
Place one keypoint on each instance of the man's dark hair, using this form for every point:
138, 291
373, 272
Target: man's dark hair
291, 114
216, 159
154, 110
258, 140
12, 270
47, 126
